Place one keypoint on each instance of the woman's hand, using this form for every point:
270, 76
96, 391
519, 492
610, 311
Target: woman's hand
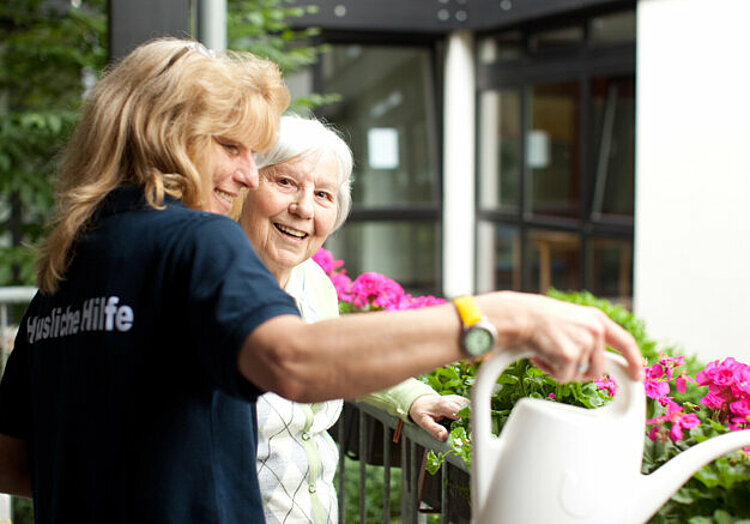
568, 341
426, 411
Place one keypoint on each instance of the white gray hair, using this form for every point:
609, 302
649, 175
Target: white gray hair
298, 137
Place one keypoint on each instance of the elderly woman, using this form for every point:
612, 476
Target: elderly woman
302, 197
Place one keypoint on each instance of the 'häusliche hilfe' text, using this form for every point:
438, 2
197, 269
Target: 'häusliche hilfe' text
96, 314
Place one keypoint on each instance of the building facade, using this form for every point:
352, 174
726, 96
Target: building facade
494, 141
528, 144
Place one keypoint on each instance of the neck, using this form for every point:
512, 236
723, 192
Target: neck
282, 276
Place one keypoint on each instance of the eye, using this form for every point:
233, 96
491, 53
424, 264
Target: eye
284, 182
230, 147
325, 195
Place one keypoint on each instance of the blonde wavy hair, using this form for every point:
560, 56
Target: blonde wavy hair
149, 121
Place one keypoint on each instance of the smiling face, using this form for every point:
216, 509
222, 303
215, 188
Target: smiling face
233, 169
292, 211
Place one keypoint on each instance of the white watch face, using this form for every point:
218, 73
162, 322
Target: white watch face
478, 340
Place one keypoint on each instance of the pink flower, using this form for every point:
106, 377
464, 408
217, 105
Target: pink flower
689, 421
607, 384
377, 289
343, 285
713, 400
737, 423
683, 422
656, 388
675, 433
681, 383
655, 371
325, 260
551, 396
740, 407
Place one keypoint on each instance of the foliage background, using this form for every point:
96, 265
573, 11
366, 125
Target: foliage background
50, 54
48, 58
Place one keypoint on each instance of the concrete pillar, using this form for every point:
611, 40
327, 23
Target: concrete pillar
212, 24
458, 166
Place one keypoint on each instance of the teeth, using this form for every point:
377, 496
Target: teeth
290, 231
226, 196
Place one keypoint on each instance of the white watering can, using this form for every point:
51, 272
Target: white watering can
555, 463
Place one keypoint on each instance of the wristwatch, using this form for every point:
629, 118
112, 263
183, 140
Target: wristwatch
479, 335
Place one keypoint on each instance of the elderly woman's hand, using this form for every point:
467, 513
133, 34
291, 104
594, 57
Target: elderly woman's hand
426, 411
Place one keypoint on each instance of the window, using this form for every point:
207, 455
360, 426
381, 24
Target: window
556, 146
387, 114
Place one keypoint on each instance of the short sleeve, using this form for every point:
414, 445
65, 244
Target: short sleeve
231, 293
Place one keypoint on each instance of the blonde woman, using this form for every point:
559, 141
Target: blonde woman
129, 395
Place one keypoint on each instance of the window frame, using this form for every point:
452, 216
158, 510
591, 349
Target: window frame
581, 64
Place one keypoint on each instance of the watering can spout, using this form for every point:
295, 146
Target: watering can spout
655, 489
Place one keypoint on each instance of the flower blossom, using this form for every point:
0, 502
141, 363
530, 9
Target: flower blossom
656, 389
728, 391
325, 260
607, 384
677, 420
343, 285
378, 290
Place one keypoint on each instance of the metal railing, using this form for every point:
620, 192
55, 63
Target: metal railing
375, 437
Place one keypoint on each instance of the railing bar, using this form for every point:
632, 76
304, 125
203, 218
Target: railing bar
386, 474
410, 437
362, 467
444, 493
404, 480
414, 491
414, 433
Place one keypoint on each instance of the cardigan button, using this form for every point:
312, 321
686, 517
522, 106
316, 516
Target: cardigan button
311, 488
306, 435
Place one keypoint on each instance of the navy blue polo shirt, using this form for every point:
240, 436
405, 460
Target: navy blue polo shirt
124, 383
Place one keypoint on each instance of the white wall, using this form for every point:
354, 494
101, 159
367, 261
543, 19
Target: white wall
692, 233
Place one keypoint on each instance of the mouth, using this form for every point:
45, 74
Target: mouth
290, 232
223, 196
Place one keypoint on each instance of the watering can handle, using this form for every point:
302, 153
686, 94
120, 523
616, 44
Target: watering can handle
481, 396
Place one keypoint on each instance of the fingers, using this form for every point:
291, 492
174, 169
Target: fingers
428, 410
433, 428
617, 337
574, 342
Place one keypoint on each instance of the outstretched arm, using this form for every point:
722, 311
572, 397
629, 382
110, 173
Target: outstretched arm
360, 353
14, 470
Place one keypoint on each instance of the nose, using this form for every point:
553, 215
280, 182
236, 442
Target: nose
303, 205
247, 175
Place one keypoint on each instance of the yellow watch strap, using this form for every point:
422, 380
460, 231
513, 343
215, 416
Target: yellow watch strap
468, 309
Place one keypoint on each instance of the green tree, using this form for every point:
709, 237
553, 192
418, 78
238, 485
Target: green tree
263, 28
48, 55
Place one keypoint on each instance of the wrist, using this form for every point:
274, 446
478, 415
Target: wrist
505, 310
478, 334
